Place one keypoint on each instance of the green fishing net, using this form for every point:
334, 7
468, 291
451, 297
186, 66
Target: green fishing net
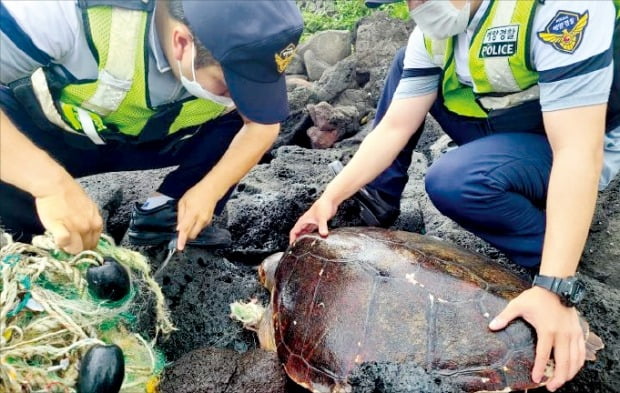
49, 318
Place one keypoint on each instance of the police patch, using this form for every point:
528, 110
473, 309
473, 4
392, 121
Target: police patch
565, 31
500, 42
285, 57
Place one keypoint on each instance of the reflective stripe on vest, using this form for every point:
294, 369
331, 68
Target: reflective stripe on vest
116, 77
498, 62
118, 100
437, 51
42, 93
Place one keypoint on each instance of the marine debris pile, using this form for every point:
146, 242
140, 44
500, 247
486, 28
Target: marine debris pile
67, 321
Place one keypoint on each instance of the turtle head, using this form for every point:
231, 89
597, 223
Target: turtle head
267, 270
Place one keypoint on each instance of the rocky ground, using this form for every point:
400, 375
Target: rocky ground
332, 93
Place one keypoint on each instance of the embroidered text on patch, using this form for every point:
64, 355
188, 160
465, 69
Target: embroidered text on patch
500, 41
285, 57
565, 31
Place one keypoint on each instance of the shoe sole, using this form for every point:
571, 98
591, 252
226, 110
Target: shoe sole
156, 239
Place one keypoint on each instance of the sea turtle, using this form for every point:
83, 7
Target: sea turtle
374, 295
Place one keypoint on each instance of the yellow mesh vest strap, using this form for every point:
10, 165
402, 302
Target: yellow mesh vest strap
133, 112
116, 76
499, 50
196, 112
458, 98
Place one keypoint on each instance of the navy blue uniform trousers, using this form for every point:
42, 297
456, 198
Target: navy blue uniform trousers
494, 184
194, 156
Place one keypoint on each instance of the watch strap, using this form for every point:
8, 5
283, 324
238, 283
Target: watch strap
554, 284
569, 289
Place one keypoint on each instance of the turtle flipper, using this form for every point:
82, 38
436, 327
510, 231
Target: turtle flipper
593, 342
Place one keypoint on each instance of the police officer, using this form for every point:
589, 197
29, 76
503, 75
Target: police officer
98, 86
522, 87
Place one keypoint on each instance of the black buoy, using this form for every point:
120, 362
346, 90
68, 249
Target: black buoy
109, 281
102, 370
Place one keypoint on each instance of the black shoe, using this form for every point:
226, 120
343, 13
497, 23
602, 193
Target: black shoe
150, 227
374, 210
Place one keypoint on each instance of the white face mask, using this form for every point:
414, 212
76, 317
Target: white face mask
194, 88
440, 19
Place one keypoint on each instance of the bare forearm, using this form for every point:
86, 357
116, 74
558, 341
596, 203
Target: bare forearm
576, 137
24, 165
570, 205
381, 147
244, 152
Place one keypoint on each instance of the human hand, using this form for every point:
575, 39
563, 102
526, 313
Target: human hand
195, 212
557, 327
317, 216
68, 213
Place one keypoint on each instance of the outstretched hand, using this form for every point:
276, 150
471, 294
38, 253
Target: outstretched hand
314, 218
195, 212
68, 213
557, 328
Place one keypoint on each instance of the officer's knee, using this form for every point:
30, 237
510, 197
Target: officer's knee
461, 192
445, 187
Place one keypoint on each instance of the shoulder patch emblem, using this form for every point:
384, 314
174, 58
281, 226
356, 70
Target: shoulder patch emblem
500, 41
565, 31
285, 56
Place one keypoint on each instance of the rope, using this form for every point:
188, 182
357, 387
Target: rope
48, 318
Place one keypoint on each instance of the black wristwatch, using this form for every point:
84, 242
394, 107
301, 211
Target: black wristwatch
571, 290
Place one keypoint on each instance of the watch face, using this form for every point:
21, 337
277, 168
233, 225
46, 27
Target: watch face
577, 292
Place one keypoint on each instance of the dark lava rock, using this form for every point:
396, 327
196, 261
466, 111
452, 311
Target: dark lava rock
396, 378
336, 79
331, 123
601, 308
378, 37
199, 287
272, 196
602, 251
214, 370
292, 130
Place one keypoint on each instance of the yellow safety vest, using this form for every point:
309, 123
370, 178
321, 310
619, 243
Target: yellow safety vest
117, 102
502, 76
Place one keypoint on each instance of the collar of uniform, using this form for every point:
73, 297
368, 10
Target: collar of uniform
158, 52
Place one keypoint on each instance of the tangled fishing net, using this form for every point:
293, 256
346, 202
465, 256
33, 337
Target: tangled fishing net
49, 318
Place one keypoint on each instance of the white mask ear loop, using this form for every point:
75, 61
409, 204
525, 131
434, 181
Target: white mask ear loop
193, 68
194, 88
193, 61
